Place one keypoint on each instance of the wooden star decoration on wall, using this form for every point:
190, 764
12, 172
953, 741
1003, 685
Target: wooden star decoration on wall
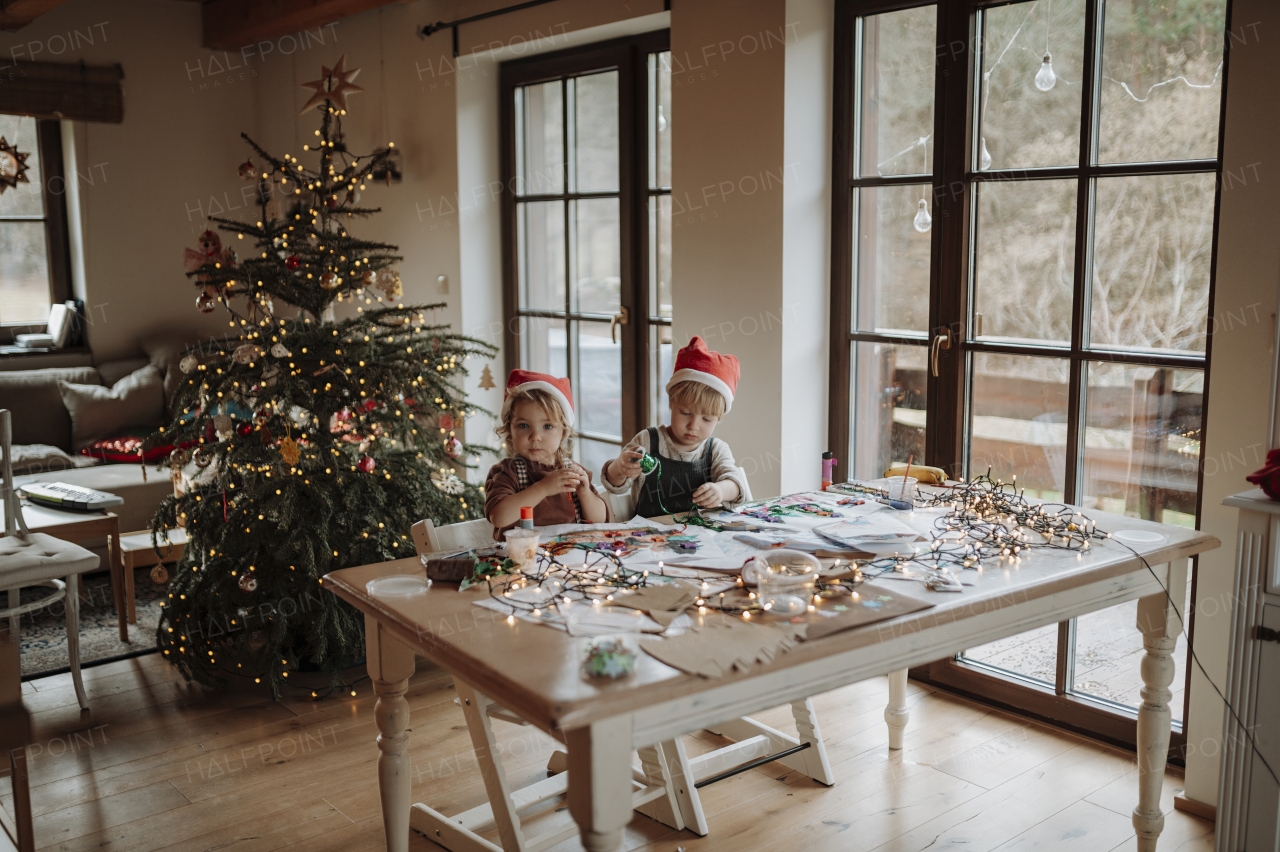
334, 85
13, 166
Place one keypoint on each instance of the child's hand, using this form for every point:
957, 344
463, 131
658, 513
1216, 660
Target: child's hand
565, 480
626, 466
584, 481
708, 495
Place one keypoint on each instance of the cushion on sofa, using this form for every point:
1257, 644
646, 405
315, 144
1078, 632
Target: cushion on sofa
113, 371
39, 415
97, 412
164, 353
43, 458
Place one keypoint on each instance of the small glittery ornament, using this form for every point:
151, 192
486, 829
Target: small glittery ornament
448, 482
206, 303
368, 278
331, 202
453, 447
369, 405
247, 170
289, 451
329, 281
248, 583
159, 575
648, 464
367, 464
291, 261
446, 421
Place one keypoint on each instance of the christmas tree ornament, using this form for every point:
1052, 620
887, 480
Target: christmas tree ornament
247, 353
446, 421
270, 374
331, 202
279, 350
289, 451
206, 303
353, 196
188, 363
334, 85
389, 283
203, 457
291, 261
486, 379
447, 481
13, 166
369, 405
248, 583
209, 253
368, 278
329, 281
244, 430
247, 170
367, 464
159, 575
452, 448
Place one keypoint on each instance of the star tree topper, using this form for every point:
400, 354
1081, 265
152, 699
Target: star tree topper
13, 166
334, 85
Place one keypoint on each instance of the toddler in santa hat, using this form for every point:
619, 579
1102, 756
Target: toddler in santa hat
694, 469
536, 429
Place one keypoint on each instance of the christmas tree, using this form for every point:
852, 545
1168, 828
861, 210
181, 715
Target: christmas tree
319, 441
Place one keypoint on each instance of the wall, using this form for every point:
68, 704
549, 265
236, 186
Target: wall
1238, 427
139, 180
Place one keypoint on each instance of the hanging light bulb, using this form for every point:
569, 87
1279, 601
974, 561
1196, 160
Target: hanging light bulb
662, 120
1045, 78
984, 159
923, 221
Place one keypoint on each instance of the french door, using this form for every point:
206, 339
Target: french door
1024, 238
586, 230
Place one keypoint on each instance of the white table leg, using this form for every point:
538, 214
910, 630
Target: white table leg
896, 714
390, 665
72, 602
1160, 622
600, 782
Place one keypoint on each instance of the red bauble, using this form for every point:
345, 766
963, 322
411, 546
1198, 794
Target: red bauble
291, 261
244, 430
367, 464
331, 202
369, 405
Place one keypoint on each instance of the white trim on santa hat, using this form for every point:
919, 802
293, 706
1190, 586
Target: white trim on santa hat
549, 388
714, 382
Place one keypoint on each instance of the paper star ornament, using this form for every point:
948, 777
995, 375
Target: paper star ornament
334, 85
13, 166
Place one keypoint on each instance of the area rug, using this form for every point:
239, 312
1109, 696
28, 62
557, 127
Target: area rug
44, 632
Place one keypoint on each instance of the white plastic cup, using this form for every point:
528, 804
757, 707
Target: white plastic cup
901, 487
522, 547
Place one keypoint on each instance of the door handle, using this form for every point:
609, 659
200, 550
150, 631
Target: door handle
622, 317
941, 340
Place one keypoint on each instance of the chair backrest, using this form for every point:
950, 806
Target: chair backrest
429, 538
14, 523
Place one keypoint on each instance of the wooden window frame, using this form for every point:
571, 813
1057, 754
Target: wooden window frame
950, 289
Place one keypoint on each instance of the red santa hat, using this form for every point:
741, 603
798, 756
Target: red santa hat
526, 380
697, 363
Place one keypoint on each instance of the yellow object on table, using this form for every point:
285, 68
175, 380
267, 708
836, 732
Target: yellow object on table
922, 473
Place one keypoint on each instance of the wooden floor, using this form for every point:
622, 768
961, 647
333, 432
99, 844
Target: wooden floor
161, 765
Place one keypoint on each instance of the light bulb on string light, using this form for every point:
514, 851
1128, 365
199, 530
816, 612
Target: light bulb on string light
984, 157
922, 221
1045, 78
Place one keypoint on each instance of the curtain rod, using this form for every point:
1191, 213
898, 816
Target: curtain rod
429, 29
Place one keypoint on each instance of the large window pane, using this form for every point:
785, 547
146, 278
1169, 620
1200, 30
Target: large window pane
660, 119
593, 454
1026, 238
898, 50
26, 199
660, 369
1152, 249
1142, 441
888, 406
540, 132
1018, 421
596, 132
540, 247
597, 255
544, 345
1033, 654
1161, 80
660, 256
892, 259
598, 383
1032, 65
24, 272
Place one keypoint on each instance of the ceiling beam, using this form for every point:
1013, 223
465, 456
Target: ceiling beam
233, 24
16, 14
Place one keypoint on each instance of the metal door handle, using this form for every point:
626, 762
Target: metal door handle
941, 340
622, 317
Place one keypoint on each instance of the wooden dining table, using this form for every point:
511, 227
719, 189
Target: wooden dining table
532, 670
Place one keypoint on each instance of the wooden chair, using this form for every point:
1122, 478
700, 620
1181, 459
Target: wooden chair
138, 552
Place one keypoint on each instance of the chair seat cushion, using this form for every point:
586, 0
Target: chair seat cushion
41, 557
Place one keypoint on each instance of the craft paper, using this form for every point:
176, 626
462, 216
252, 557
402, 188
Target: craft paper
720, 644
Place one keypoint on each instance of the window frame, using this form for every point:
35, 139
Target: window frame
629, 56
951, 291
57, 236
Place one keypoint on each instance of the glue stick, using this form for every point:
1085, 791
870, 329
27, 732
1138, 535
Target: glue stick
526, 517
828, 469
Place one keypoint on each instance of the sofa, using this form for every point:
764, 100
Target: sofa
47, 439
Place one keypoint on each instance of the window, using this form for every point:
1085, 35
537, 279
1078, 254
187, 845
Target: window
1022, 273
587, 230
34, 265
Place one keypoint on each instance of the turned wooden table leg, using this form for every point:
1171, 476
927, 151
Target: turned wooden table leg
118, 585
1159, 619
600, 782
896, 714
390, 664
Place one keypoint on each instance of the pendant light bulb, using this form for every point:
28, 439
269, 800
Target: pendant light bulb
662, 120
984, 159
1045, 78
923, 221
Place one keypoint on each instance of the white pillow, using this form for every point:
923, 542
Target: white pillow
98, 412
